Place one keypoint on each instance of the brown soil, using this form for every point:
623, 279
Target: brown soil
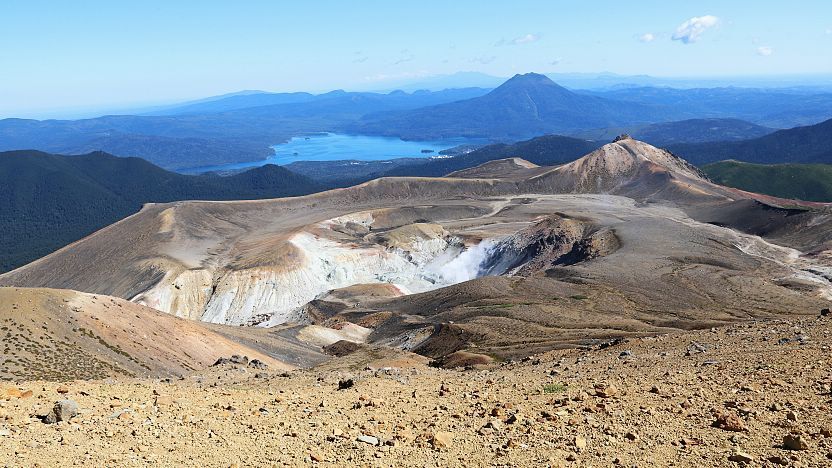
700, 398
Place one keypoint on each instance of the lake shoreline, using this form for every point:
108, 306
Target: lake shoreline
326, 147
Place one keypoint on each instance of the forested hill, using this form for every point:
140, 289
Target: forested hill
48, 201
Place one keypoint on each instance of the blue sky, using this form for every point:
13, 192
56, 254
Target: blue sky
56, 54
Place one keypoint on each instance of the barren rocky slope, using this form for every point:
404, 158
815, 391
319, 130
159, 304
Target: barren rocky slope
498, 261
65, 335
619, 310
755, 394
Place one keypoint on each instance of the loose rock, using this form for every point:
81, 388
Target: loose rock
63, 410
795, 442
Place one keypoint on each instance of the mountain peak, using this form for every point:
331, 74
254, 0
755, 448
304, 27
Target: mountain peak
532, 84
529, 79
626, 152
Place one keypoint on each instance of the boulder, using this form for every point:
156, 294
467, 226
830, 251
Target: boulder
728, 421
795, 442
63, 410
258, 364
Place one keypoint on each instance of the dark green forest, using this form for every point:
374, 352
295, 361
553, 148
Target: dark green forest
48, 201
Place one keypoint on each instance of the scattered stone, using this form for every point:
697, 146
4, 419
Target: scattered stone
258, 364
580, 443
514, 419
63, 410
752, 387
368, 439
728, 421
740, 457
237, 359
234, 359
344, 384
612, 342
442, 440
495, 424
444, 390
795, 442
605, 391
778, 460
824, 312
696, 348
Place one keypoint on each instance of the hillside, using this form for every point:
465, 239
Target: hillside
546, 150
689, 399
810, 144
811, 182
52, 334
524, 106
684, 131
48, 201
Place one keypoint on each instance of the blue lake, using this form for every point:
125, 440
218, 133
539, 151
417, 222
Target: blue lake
335, 147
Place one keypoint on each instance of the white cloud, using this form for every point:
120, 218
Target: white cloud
524, 39
406, 56
647, 37
691, 30
484, 60
765, 51
527, 39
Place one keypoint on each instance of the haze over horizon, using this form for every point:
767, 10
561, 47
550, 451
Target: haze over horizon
109, 55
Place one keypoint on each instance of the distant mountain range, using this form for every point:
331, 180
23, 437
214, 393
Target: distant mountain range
683, 131
331, 101
48, 201
778, 108
242, 127
607, 81
809, 144
524, 106
532, 104
237, 128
